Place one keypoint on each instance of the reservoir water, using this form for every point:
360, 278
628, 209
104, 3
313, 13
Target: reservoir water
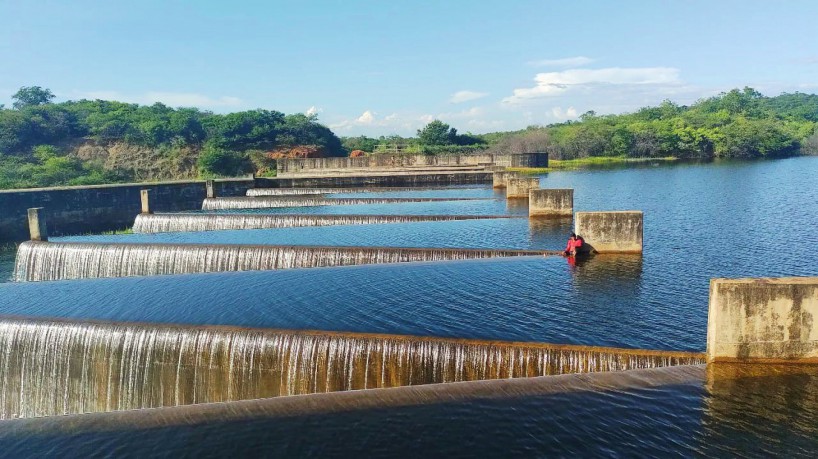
745, 219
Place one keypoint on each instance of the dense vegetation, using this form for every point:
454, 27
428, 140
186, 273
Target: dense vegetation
736, 124
84, 142
88, 142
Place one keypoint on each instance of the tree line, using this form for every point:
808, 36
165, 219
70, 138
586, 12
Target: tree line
735, 124
95, 141
38, 136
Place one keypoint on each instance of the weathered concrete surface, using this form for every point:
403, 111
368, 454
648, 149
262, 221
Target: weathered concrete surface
37, 228
763, 320
95, 208
378, 179
86, 209
529, 160
610, 232
145, 196
402, 163
518, 187
551, 203
500, 178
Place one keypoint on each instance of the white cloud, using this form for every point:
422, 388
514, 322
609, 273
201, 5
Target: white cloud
368, 118
556, 83
426, 119
566, 114
465, 96
313, 111
577, 61
173, 99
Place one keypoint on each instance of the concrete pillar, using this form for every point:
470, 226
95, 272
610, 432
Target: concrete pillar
518, 187
210, 186
763, 320
36, 224
146, 203
499, 179
551, 203
610, 232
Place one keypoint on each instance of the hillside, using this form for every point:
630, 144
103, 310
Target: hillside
91, 142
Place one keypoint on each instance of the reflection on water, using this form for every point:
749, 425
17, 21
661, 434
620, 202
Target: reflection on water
761, 410
677, 411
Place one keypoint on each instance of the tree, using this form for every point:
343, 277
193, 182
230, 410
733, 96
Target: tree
437, 133
29, 96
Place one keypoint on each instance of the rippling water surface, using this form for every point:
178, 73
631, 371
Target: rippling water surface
701, 221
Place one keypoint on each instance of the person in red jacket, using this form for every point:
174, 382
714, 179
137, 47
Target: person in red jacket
574, 242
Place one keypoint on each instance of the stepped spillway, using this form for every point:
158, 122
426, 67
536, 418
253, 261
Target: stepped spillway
265, 202
303, 191
55, 367
160, 223
43, 261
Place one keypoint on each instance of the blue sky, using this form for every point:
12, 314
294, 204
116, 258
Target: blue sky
386, 67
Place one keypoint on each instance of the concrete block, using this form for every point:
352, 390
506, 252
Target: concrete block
210, 187
610, 232
36, 224
144, 196
763, 320
551, 203
500, 178
518, 187
529, 160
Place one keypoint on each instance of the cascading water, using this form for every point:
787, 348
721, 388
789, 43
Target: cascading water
41, 261
303, 191
52, 367
160, 223
265, 202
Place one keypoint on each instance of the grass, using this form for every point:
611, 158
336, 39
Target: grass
585, 163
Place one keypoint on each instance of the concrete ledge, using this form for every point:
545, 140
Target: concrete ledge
610, 232
763, 320
500, 178
551, 203
518, 187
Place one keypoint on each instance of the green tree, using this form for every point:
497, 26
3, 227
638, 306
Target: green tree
29, 96
437, 133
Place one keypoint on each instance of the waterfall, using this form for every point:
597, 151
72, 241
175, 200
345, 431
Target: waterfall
265, 202
54, 367
303, 191
41, 261
160, 223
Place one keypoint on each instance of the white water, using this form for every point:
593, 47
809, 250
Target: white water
62, 367
160, 223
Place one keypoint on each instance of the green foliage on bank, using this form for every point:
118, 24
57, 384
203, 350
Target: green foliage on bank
199, 142
736, 124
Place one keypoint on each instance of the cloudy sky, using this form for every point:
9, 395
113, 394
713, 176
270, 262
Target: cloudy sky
388, 67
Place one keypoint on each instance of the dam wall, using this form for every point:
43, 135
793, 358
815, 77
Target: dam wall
45, 261
317, 166
58, 367
161, 223
270, 202
763, 320
98, 208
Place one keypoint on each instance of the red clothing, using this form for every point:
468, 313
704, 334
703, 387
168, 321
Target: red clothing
573, 244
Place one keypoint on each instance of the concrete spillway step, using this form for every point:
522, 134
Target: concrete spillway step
56, 367
329, 190
160, 223
42, 261
267, 202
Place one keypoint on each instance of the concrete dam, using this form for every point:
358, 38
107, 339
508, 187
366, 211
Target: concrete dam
160, 223
44, 261
56, 367
268, 202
